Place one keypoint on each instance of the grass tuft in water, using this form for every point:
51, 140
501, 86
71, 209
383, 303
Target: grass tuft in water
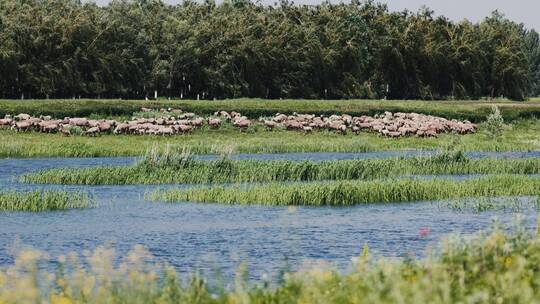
177, 166
37, 201
346, 193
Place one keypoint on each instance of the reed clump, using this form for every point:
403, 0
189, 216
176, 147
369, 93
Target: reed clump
498, 266
181, 168
38, 201
346, 193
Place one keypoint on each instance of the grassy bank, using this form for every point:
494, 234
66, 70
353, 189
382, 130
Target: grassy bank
496, 267
178, 170
522, 136
37, 201
475, 111
346, 193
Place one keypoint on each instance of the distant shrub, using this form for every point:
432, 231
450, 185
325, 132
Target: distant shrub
495, 123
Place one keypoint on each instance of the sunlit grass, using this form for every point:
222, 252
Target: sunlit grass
346, 193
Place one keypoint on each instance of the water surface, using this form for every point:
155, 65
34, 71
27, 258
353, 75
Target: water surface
208, 237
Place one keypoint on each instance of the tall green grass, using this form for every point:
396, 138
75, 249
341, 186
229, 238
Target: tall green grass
346, 193
180, 168
498, 266
37, 201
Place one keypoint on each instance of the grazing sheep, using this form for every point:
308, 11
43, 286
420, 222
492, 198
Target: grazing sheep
394, 134
93, 123
307, 129
388, 124
94, 131
6, 121
224, 115
22, 126
104, 126
64, 131
197, 123
121, 128
50, 128
343, 129
214, 123
23, 116
78, 122
235, 115
293, 125
165, 131
270, 125
243, 124
280, 118
184, 129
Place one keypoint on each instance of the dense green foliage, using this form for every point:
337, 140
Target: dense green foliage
69, 48
347, 193
180, 170
37, 201
496, 267
475, 111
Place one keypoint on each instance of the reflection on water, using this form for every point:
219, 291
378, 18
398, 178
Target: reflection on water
209, 237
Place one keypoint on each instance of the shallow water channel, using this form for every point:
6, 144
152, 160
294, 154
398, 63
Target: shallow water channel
216, 237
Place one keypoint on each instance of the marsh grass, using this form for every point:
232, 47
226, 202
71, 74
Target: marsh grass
346, 193
172, 165
497, 266
37, 201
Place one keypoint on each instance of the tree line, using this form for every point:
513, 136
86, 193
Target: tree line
136, 49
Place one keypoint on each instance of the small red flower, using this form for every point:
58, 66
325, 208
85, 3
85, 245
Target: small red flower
424, 232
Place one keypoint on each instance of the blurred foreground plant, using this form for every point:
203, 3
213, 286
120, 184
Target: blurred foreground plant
499, 266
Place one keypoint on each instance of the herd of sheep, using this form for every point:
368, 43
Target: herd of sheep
175, 121
388, 124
